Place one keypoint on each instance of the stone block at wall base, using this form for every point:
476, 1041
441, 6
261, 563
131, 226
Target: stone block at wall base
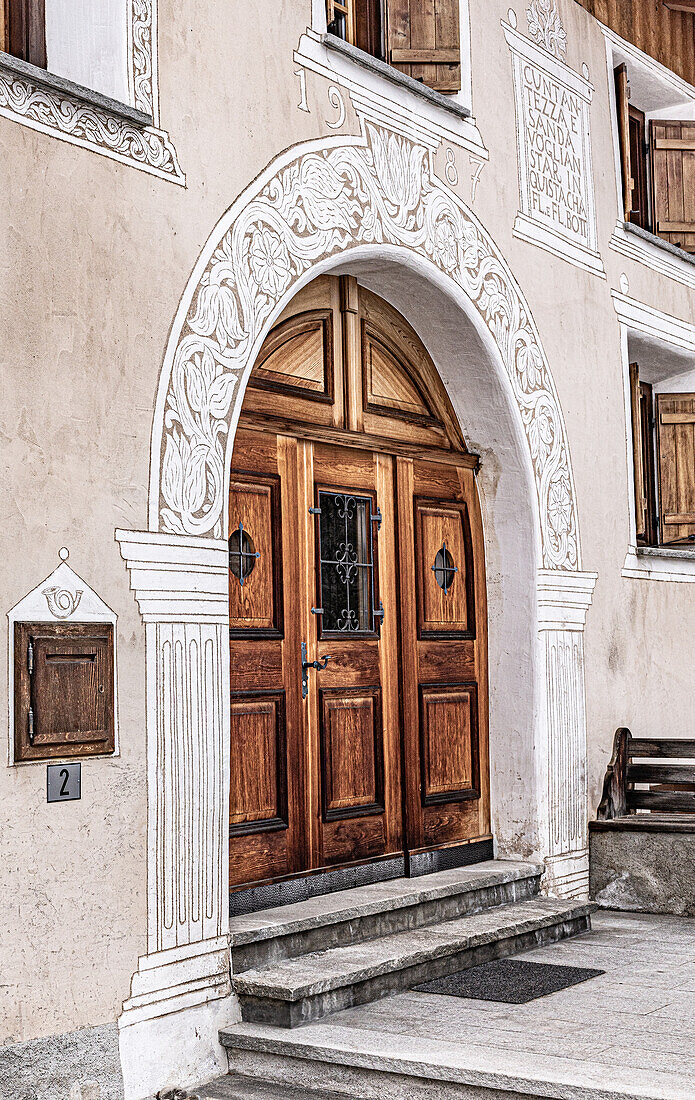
176, 1050
642, 869
79, 1065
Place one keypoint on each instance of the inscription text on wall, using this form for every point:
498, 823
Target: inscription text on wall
556, 188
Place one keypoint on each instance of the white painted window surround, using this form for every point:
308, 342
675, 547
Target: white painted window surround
664, 347
464, 98
86, 42
660, 93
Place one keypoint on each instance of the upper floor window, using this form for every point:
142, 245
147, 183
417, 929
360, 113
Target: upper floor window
81, 40
421, 38
657, 152
663, 441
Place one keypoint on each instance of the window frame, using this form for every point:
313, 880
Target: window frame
460, 95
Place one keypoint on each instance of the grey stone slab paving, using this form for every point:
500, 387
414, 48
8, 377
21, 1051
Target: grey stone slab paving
627, 1034
463, 1063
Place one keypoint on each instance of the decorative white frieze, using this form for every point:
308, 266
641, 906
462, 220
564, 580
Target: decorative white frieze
556, 186
56, 107
322, 201
177, 579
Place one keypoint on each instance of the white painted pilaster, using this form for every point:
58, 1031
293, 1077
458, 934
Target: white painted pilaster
181, 586
563, 600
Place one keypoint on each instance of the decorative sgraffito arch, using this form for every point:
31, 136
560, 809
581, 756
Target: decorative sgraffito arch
319, 202
313, 206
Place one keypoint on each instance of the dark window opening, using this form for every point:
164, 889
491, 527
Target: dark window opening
23, 30
418, 37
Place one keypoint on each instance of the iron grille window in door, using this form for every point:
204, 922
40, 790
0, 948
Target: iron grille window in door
346, 563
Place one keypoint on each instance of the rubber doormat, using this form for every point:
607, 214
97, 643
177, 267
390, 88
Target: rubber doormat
513, 981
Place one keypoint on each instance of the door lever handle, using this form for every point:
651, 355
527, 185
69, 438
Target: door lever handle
306, 665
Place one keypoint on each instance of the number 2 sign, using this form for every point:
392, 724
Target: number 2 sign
63, 782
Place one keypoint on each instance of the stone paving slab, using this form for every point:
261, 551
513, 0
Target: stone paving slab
629, 1033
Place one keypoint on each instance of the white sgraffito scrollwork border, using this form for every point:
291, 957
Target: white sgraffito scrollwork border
316, 202
64, 115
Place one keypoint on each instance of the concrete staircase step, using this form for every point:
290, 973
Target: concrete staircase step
379, 1065
381, 909
297, 990
235, 1087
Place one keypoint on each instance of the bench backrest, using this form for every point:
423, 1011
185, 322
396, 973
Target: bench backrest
672, 779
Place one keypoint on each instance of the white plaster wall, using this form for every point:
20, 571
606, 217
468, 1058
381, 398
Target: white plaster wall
86, 42
95, 257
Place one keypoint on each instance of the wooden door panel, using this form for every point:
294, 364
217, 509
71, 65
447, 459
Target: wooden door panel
444, 656
255, 556
446, 603
354, 710
451, 824
449, 743
299, 371
258, 795
352, 752
266, 779
436, 660
354, 840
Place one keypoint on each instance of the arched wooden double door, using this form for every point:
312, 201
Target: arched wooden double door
355, 544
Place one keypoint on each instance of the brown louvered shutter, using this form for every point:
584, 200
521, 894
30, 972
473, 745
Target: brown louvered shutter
673, 181
676, 447
637, 459
25, 30
424, 42
622, 101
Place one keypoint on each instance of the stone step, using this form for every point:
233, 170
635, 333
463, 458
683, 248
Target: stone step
235, 1087
379, 1065
295, 991
381, 909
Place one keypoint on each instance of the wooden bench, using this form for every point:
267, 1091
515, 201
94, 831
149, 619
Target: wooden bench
670, 786
642, 844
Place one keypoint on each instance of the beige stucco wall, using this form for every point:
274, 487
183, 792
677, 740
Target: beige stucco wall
95, 258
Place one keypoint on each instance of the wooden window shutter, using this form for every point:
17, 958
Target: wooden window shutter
637, 453
673, 181
4, 27
622, 99
25, 30
676, 453
424, 41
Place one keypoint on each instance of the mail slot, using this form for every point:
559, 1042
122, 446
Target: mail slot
64, 690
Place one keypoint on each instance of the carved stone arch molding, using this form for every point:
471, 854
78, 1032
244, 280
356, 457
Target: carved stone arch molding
309, 209
317, 202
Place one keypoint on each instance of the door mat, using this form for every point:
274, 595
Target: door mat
513, 981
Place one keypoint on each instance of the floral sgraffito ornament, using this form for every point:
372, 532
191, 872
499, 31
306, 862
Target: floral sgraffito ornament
545, 27
381, 190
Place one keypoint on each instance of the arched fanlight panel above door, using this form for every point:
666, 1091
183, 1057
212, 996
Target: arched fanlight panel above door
341, 357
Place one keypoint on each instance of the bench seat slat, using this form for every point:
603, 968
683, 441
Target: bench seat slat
678, 801
669, 749
661, 773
